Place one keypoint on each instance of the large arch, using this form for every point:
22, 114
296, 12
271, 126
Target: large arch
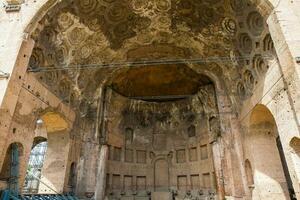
233, 179
47, 5
54, 170
35, 164
263, 155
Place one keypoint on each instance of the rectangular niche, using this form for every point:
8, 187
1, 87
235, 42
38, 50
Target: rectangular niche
195, 181
128, 155
128, 136
141, 182
141, 156
182, 183
116, 182
193, 154
204, 152
180, 156
128, 183
107, 181
110, 155
117, 154
206, 180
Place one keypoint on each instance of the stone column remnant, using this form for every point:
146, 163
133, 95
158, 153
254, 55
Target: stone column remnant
101, 175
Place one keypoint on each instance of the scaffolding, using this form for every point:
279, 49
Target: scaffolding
35, 165
32, 179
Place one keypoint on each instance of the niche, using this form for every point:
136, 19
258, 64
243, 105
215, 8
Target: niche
117, 154
72, 175
107, 181
128, 136
193, 154
214, 127
206, 180
249, 174
128, 155
161, 175
180, 156
141, 182
204, 152
116, 182
192, 131
182, 183
195, 181
128, 183
141, 156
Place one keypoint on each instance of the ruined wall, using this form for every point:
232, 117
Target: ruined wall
159, 146
19, 126
284, 29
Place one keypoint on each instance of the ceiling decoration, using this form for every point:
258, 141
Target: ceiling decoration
89, 32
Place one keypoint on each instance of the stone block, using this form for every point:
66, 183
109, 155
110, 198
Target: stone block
161, 196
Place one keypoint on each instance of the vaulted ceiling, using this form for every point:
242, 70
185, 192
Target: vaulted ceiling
90, 32
152, 82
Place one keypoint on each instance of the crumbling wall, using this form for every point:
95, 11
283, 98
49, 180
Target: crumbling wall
157, 146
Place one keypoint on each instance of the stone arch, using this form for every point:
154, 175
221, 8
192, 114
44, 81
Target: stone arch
53, 121
35, 165
49, 5
46, 6
260, 143
6, 179
53, 127
221, 168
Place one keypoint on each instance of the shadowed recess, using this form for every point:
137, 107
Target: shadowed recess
161, 82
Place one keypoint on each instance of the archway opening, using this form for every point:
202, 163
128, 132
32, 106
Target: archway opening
166, 140
35, 165
92, 33
263, 148
9, 175
46, 169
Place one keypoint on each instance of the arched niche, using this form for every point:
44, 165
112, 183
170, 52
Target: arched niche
263, 149
128, 136
249, 173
